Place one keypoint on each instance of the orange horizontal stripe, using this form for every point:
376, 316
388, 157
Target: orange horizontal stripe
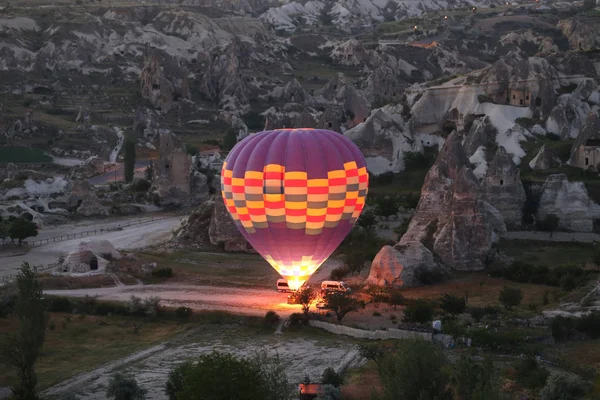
352, 172
295, 182
336, 210
337, 181
318, 190
237, 189
274, 175
315, 218
274, 204
253, 182
295, 213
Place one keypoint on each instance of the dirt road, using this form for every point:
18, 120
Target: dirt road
240, 301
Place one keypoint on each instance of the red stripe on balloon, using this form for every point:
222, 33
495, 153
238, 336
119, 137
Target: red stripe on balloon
337, 181
253, 182
295, 183
350, 202
237, 189
274, 175
315, 218
295, 213
318, 190
274, 204
256, 211
352, 172
335, 210
363, 178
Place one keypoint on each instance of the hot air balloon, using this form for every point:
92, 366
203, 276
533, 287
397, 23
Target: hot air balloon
295, 194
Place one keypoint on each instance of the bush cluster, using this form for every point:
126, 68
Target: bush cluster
165, 272
567, 277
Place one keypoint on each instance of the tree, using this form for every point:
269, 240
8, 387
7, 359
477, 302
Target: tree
396, 299
330, 377
306, 297
510, 297
329, 392
230, 139
367, 220
564, 386
21, 229
371, 351
260, 377
419, 311
452, 304
386, 206
472, 380
175, 380
21, 349
129, 157
589, 5
341, 303
3, 229
414, 371
121, 387
596, 256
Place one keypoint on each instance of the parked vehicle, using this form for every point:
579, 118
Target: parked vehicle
282, 286
334, 286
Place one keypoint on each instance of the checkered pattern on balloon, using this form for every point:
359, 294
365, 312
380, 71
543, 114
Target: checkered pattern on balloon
295, 195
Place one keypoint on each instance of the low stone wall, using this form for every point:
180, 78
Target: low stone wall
373, 335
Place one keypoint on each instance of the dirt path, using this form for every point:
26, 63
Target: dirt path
240, 301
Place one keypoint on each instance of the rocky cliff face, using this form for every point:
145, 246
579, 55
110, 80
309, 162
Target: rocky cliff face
544, 159
159, 90
570, 202
452, 219
223, 81
502, 188
223, 232
583, 34
404, 266
590, 130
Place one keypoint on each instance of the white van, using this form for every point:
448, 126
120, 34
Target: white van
334, 286
282, 286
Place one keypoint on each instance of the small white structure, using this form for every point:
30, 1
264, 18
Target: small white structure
437, 325
91, 257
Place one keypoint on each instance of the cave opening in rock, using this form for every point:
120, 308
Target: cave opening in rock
94, 263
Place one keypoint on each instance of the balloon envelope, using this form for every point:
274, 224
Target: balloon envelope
295, 194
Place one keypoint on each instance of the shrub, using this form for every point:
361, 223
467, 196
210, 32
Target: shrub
60, 304
271, 319
509, 341
564, 386
530, 374
590, 324
165, 272
141, 185
452, 304
183, 314
297, 321
561, 328
510, 297
330, 377
339, 273
376, 314
419, 311
477, 313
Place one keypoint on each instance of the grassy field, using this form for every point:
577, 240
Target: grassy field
216, 269
484, 290
548, 254
85, 344
23, 155
405, 182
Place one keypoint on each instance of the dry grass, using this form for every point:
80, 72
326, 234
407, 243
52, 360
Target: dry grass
361, 382
215, 269
484, 290
50, 282
86, 343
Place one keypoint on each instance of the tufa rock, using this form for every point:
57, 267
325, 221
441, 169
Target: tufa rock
404, 266
586, 143
157, 89
502, 187
223, 231
194, 228
570, 202
452, 219
543, 160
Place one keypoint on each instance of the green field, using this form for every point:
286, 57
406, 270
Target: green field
23, 155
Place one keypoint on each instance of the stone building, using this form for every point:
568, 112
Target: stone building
587, 155
172, 171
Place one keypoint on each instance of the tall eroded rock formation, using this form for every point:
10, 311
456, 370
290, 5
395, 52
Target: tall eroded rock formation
503, 189
452, 219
